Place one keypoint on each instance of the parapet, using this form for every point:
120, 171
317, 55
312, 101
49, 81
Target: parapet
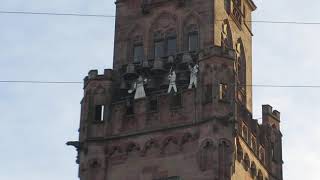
270, 116
94, 75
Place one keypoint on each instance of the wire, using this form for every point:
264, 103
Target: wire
56, 14
283, 86
112, 16
78, 82
42, 82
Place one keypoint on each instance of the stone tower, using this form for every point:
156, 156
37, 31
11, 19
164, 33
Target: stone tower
178, 103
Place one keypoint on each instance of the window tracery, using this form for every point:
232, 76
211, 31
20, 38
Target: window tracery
236, 11
163, 36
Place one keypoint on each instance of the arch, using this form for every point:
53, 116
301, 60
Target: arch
192, 23
239, 152
132, 147
162, 27
260, 176
187, 141
186, 137
225, 159
115, 150
206, 155
207, 143
246, 162
151, 144
135, 38
262, 154
226, 35
170, 139
166, 145
226, 143
253, 169
241, 63
136, 29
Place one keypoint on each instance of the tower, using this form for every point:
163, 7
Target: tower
178, 102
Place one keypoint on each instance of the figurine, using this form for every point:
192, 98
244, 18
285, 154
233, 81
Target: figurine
193, 76
172, 81
138, 86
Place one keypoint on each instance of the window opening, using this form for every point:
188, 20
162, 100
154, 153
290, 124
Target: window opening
138, 53
99, 113
227, 6
223, 88
193, 41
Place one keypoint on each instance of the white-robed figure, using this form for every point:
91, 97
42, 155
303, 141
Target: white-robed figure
138, 86
193, 75
172, 82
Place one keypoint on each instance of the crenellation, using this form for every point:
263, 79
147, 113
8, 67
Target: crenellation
92, 74
276, 114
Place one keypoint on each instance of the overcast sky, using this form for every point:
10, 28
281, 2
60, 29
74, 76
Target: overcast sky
37, 120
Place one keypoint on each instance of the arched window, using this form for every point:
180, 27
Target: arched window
193, 38
262, 154
241, 64
254, 143
163, 36
239, 152
246, 162
135, 45
224, 160
260, 176
245, 132
227, 6
171, 43
253, 169
226, 36
236, 11
159, 45
138, 54
206, 155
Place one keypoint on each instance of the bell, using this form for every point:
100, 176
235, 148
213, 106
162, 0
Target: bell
170, 62
183, 77
123, 86
130, 73
151, 85
144, 68
164, 82
158, 67
186, 60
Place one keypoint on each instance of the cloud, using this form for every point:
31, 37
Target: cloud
38, 119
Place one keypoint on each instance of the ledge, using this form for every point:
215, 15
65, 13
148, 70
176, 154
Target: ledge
164, 128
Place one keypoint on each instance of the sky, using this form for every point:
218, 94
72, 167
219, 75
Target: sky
37, 119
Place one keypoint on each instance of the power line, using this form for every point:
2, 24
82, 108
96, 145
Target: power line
57, 14
78, 82
112, 16
283, 86
41, 82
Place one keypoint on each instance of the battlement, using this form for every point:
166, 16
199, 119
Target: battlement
270, 116
93, 75
267, 110
259, 138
